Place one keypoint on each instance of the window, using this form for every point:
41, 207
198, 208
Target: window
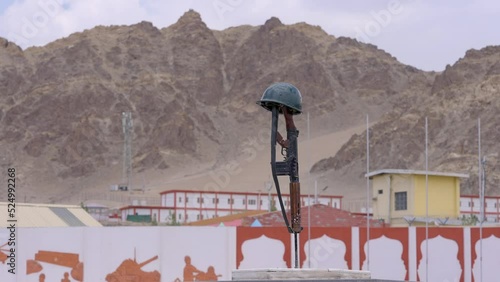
469, 204
380, 192
180, 216
230, 201
180, 200
244, 201
401, 203
200, 200
215, 201
187, 199
252, 202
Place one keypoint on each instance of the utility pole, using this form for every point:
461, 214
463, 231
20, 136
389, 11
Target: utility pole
481, 193
269, 185
127, 148
481, 178
315, 191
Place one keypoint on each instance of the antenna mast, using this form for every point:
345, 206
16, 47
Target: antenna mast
127, 147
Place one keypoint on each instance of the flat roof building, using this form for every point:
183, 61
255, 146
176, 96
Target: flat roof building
399, 196
47, 215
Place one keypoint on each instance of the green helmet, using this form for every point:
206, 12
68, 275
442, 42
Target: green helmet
282, 94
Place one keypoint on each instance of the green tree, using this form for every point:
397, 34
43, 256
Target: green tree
172, 219
469, 220
154, 222
84, 207
273, 205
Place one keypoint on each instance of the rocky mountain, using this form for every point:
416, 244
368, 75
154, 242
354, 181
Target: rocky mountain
459, 96
192, 91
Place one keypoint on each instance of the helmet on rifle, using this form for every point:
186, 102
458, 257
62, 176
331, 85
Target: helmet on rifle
282, 94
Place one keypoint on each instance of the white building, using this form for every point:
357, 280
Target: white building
197, 205
470, 205
189, 206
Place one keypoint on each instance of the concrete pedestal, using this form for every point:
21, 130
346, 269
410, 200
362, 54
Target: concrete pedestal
298, 274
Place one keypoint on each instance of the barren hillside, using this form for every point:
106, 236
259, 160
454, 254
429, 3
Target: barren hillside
460, 95
192, 93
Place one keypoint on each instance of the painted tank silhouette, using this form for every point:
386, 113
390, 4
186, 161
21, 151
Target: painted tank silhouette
131, 271
70, 260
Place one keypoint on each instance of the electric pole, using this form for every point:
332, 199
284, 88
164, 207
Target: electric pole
127, 148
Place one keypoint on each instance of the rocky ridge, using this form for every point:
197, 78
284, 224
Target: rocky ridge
459, 96
192, 93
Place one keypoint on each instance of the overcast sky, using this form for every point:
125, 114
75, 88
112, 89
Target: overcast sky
425, 34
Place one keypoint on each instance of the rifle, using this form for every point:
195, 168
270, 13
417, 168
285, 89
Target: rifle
285, 98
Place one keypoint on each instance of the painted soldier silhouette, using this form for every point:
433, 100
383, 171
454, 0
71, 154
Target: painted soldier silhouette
66, 277
208, 276
189, 270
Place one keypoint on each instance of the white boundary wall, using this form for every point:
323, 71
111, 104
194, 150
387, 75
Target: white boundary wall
395, 253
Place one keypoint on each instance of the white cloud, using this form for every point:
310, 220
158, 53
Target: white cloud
24, 21
89, 13
427, 35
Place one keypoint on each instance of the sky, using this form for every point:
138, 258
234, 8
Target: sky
425, 34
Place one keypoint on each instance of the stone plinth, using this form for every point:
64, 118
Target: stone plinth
297, 274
